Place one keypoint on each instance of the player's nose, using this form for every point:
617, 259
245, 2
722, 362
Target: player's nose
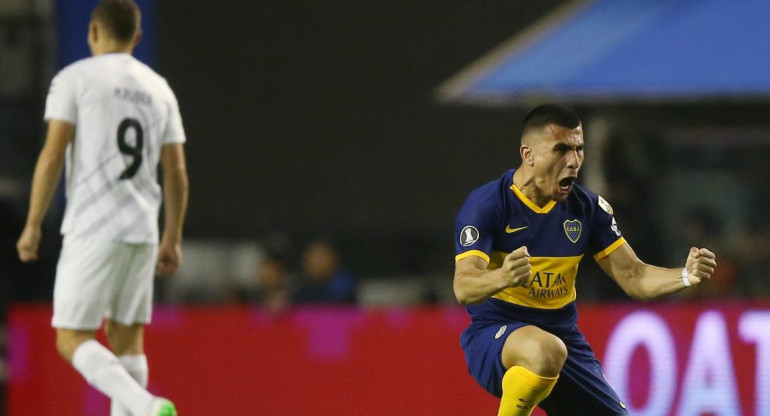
573, 160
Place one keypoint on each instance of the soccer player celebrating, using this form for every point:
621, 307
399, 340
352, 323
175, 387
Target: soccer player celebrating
519, 240
113, 119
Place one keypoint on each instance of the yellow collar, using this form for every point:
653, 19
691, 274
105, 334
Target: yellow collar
538, 210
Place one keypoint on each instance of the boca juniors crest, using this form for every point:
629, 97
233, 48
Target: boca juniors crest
573, 228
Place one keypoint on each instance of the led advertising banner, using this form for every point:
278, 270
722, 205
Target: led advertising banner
684, 360
664, 359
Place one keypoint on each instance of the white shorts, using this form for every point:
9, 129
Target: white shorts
97, 279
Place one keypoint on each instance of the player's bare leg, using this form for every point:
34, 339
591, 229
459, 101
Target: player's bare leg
125, 339
102, 369
534, 359
68, 340
127, 343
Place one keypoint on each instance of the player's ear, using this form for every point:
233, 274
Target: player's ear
93, 35
526, 155
93, 32
137, 37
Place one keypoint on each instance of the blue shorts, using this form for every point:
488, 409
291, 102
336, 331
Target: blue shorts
581, 390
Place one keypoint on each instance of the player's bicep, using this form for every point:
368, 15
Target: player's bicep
172, 158
60, 135
621, 264
473, 265
467, 270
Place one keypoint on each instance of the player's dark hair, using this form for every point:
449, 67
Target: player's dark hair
119, 17
548, 114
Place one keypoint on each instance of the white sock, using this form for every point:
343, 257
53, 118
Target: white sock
136, 365
101, 368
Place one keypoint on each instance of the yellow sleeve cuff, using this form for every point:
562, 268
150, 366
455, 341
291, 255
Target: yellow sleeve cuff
477, 253
612, 247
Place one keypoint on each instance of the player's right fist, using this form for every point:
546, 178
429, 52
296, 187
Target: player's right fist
516, 268
28, 244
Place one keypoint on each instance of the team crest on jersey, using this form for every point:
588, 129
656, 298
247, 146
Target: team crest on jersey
605, 205
573, 228
469, 235
501, 331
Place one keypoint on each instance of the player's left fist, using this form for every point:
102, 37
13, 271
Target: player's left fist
700, 265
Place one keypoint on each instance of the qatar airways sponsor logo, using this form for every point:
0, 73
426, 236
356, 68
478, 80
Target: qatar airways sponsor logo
546, 285
707, 384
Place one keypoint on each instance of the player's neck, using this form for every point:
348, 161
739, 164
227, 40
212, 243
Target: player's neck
111, 47
528, 185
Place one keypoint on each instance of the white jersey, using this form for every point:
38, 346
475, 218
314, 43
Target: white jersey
123, 113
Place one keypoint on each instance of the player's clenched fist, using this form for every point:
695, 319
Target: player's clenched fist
700, 265
28, 244
516, 268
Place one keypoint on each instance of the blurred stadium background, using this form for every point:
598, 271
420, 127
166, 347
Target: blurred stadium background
366, 124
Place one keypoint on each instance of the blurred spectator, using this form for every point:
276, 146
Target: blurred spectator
324, 280
274, 284
754, 239
754, 252
274, 276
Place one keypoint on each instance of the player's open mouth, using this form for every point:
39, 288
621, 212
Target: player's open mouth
565, 185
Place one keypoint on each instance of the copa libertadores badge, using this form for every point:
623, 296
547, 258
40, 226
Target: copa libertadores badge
573, 228
469, 235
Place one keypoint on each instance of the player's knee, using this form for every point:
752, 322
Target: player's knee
548, 356
63, 348
66, 344
554, 354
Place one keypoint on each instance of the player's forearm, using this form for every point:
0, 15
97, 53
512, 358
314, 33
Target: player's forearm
175, 194
473, 287
653, 282
44, 183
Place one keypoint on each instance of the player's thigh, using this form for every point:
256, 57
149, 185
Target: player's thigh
482, 344
85, 280
539, 351
132, 301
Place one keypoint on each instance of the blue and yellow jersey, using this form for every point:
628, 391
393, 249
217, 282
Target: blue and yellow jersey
497, 218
